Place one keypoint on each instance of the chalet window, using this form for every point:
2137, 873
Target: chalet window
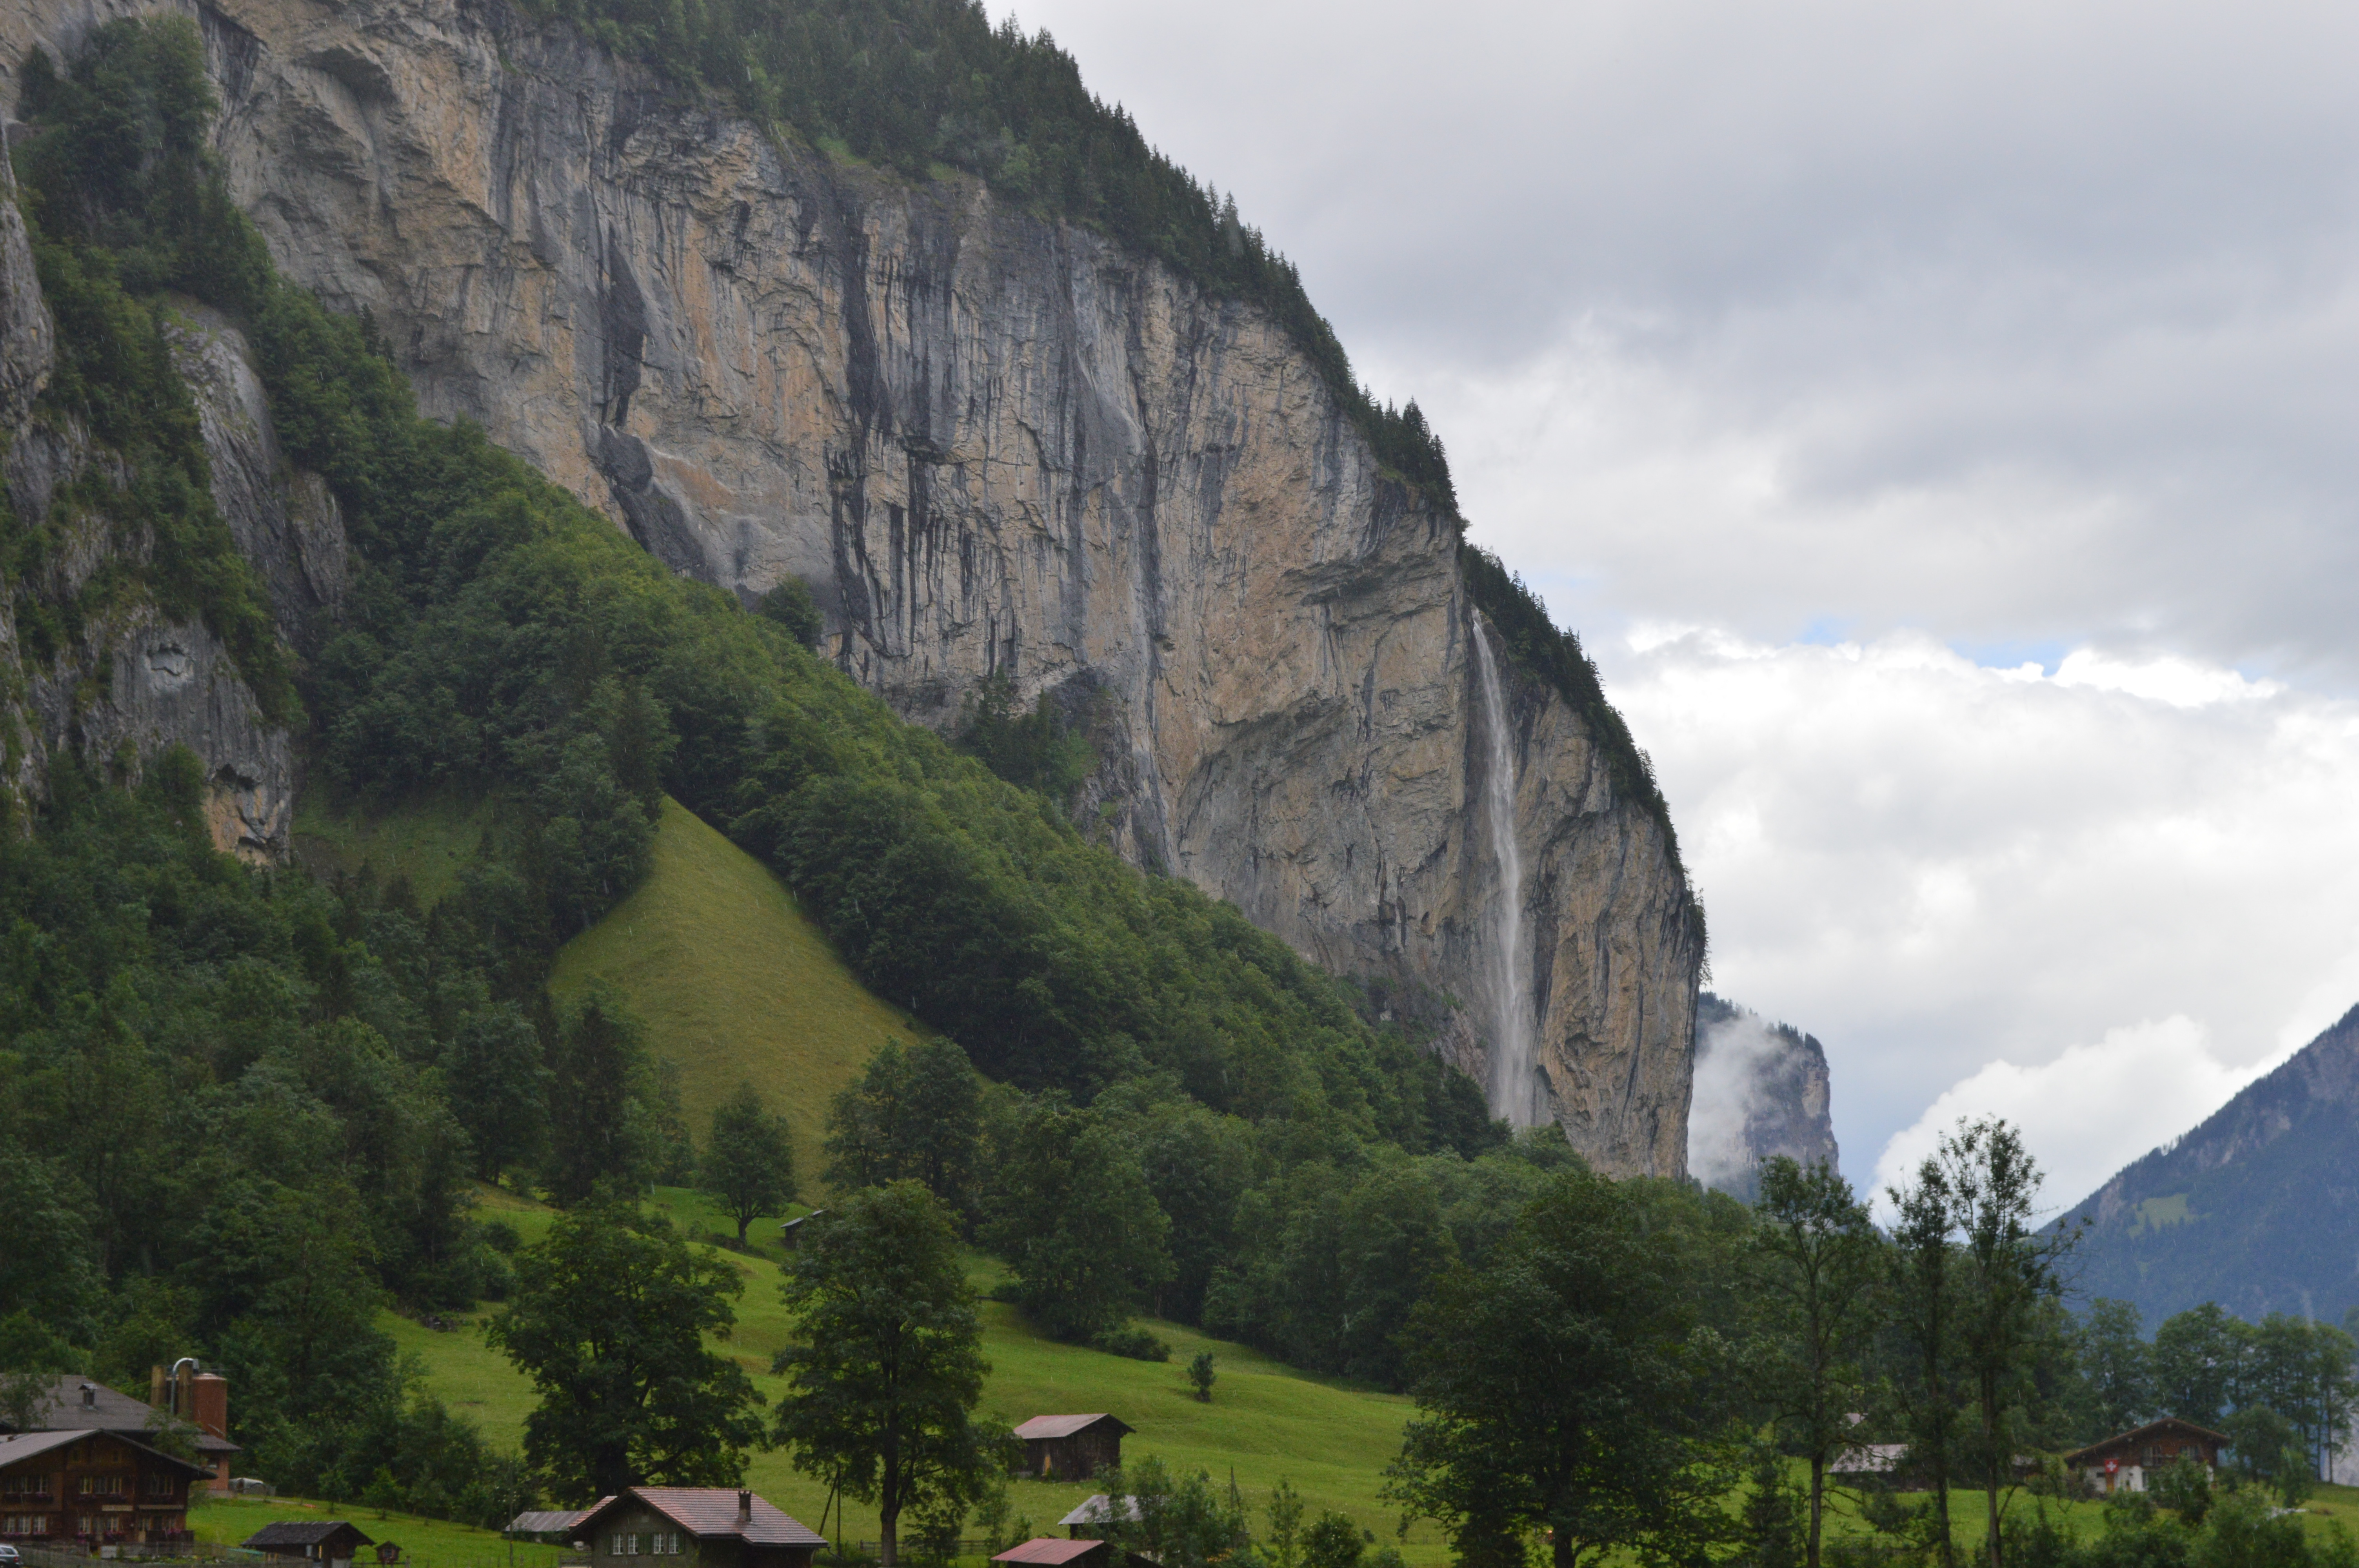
675, 1544
634, 1543
618, 1545
24, 1524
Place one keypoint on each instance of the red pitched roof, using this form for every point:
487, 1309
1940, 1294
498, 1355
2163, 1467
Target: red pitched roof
1048, 1551
1062, 1425
708, 1512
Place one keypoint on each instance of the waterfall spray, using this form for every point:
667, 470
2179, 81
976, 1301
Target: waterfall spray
1511, 1089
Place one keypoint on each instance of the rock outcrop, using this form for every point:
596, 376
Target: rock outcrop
137, 682
1762, 1089
991, 444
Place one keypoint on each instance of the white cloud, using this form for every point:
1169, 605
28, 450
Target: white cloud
1939, 866
2087, 1113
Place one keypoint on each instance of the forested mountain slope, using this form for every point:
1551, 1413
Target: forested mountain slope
2258, 1208
316, 1068
1074, 430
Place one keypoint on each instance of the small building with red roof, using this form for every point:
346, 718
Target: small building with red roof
694, 1527
1050, 1552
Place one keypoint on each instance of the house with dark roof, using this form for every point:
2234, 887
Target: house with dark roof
80, 1404
330, 1540
2129, 1461
98, 1487
1071, 1448
1048, 1551
702, 1527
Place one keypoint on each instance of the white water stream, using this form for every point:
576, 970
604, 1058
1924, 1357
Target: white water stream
1512, 1091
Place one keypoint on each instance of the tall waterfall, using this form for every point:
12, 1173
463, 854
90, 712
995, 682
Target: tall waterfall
1512, 1091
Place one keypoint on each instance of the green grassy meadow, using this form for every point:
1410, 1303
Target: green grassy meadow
1266, 1419
734, 983
429, 842
428, 1542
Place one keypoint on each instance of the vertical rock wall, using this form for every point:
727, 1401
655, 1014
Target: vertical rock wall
992, 444
137, 682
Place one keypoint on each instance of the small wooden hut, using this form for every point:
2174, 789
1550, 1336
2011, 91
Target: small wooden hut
1071, 1448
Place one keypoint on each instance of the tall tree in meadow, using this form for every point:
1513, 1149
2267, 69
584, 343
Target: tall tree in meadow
2007, 1273
1560, 1389
1923, 1296
749, 1164
883, 1377
608, 1320
1814, 1261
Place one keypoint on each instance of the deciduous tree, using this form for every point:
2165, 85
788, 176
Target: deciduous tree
1814, 1260
1557, 1389
608, 1321
887, 1364
749, 1164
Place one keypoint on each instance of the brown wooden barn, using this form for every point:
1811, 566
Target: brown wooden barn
1071, 1448
2128, 1461
321, 1540
705, 1527
95, 1486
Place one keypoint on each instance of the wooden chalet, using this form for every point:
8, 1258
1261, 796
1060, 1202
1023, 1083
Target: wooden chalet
1050, 1552
94, 1489
2128, 1461
330, 1540
704, 1526
1071, 1448
79, 1404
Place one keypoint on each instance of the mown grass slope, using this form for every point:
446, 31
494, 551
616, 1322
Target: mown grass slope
428, 842
733, 983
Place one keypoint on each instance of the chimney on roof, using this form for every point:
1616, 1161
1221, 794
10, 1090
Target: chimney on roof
744, 1508
89, 1397
209, 1403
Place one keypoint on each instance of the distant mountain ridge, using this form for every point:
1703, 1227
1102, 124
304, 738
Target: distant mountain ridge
2258, 1208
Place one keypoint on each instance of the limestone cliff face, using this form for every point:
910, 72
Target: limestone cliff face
1762, 1090
992, 443
137, 682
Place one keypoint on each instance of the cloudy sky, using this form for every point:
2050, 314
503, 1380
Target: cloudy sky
1940, 423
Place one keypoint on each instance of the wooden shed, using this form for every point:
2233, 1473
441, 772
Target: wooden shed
2128, 1461
1071, 1448
323, 1541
